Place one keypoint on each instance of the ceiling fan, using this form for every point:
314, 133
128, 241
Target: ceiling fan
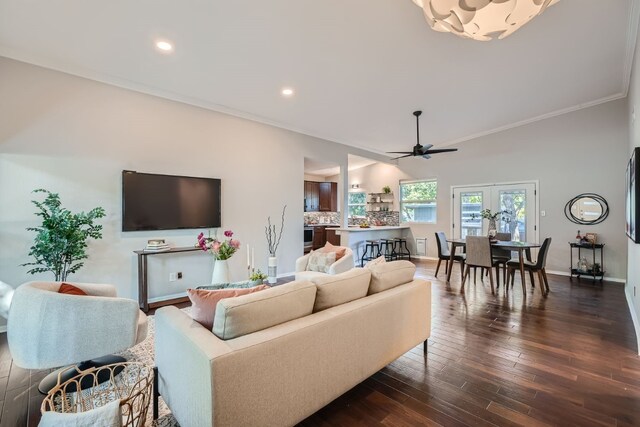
419, 150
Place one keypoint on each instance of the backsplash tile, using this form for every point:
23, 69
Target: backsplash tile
321, 218
391, 218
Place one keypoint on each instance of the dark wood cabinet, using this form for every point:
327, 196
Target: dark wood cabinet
320, 196
311, 196
328, 197
319, 237
332, 237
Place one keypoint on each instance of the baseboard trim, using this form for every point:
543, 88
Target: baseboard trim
634, 317
427, 258
606, 279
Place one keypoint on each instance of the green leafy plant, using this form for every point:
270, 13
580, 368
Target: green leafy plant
487, 214
61, 241
257, 275
386, 189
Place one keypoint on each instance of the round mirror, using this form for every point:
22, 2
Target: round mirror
587, 209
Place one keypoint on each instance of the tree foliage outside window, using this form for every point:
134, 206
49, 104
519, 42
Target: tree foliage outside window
357, 204
418, 201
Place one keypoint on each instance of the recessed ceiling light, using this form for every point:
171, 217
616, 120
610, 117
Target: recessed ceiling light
287, 91
164, 46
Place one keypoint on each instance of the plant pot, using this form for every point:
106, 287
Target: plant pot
220, 271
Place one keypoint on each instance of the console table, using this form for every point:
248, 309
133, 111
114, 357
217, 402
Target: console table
143, 286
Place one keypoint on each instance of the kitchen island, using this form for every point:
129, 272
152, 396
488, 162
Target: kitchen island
354, 237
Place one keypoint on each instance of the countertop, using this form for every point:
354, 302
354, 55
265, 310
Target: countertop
372, 228
322, 225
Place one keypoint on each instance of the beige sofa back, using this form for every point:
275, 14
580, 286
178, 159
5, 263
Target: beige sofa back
280, 375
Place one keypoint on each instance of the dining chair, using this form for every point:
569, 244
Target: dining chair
534, 267
501, 257
478, 255
445, 255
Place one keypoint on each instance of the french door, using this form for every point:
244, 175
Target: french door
517, 202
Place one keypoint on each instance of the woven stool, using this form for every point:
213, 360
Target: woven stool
401, 252
371, 251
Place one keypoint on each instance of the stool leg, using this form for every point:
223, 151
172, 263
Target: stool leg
364, 254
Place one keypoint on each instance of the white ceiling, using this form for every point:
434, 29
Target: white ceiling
359, 67
324, 169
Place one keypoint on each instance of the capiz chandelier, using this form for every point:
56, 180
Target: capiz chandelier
481, 19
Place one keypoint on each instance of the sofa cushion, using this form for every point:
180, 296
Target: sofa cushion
390, 274
341, 288
261, 310
339, 250
321, 261
377, 261
309, 275
204, 302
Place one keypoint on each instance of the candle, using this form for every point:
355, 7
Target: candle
248, 260
253, 258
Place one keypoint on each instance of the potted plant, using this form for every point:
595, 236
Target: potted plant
386, 189
60, 245
221, 251
492, 217
257, 277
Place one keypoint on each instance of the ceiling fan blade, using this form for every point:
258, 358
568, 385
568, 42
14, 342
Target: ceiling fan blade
402, 157
425, 148
426, 156
441, 150
399, 152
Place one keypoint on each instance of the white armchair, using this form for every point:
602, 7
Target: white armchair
345, 263
47, 329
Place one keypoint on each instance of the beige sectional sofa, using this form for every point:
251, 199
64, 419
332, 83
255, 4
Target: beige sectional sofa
277, 356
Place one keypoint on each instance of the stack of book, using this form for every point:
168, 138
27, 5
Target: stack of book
156, 245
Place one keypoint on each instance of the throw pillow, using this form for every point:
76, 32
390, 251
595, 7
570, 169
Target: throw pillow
388, 275
204, 302
321, 261
374, 262
339, 250
109, 415
66, 288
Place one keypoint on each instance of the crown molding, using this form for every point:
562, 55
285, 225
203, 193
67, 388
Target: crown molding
632, 39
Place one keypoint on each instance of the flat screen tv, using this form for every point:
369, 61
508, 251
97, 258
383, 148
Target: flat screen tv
633, 196
168, 202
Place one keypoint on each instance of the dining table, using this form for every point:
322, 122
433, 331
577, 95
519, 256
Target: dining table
523, 249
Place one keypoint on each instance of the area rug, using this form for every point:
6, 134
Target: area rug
144, 353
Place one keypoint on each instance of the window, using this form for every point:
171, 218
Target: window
418, 201
357, 204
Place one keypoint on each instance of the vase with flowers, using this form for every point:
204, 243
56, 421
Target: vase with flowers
221, 250
492, 217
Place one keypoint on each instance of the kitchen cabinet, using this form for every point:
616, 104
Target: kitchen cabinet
332, 237
328, 197
319, 237
320, 196
311, 196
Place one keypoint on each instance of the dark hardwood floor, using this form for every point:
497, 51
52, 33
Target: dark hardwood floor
567, 360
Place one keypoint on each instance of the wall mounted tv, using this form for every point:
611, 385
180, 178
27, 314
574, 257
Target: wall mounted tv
633, 196
168, 202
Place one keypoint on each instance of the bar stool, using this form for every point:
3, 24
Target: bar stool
399, 250
374, 246
388, 249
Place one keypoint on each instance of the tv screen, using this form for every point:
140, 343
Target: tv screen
167, 202
633, 196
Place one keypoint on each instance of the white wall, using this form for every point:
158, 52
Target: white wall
75, 136
583, 151
633, 269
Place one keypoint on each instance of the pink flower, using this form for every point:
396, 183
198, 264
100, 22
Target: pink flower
234, 244
200, 236
228, 233
216, 246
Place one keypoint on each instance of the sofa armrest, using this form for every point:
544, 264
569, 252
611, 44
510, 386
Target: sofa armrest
96, 290
184, 354
344, 264
301, 263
